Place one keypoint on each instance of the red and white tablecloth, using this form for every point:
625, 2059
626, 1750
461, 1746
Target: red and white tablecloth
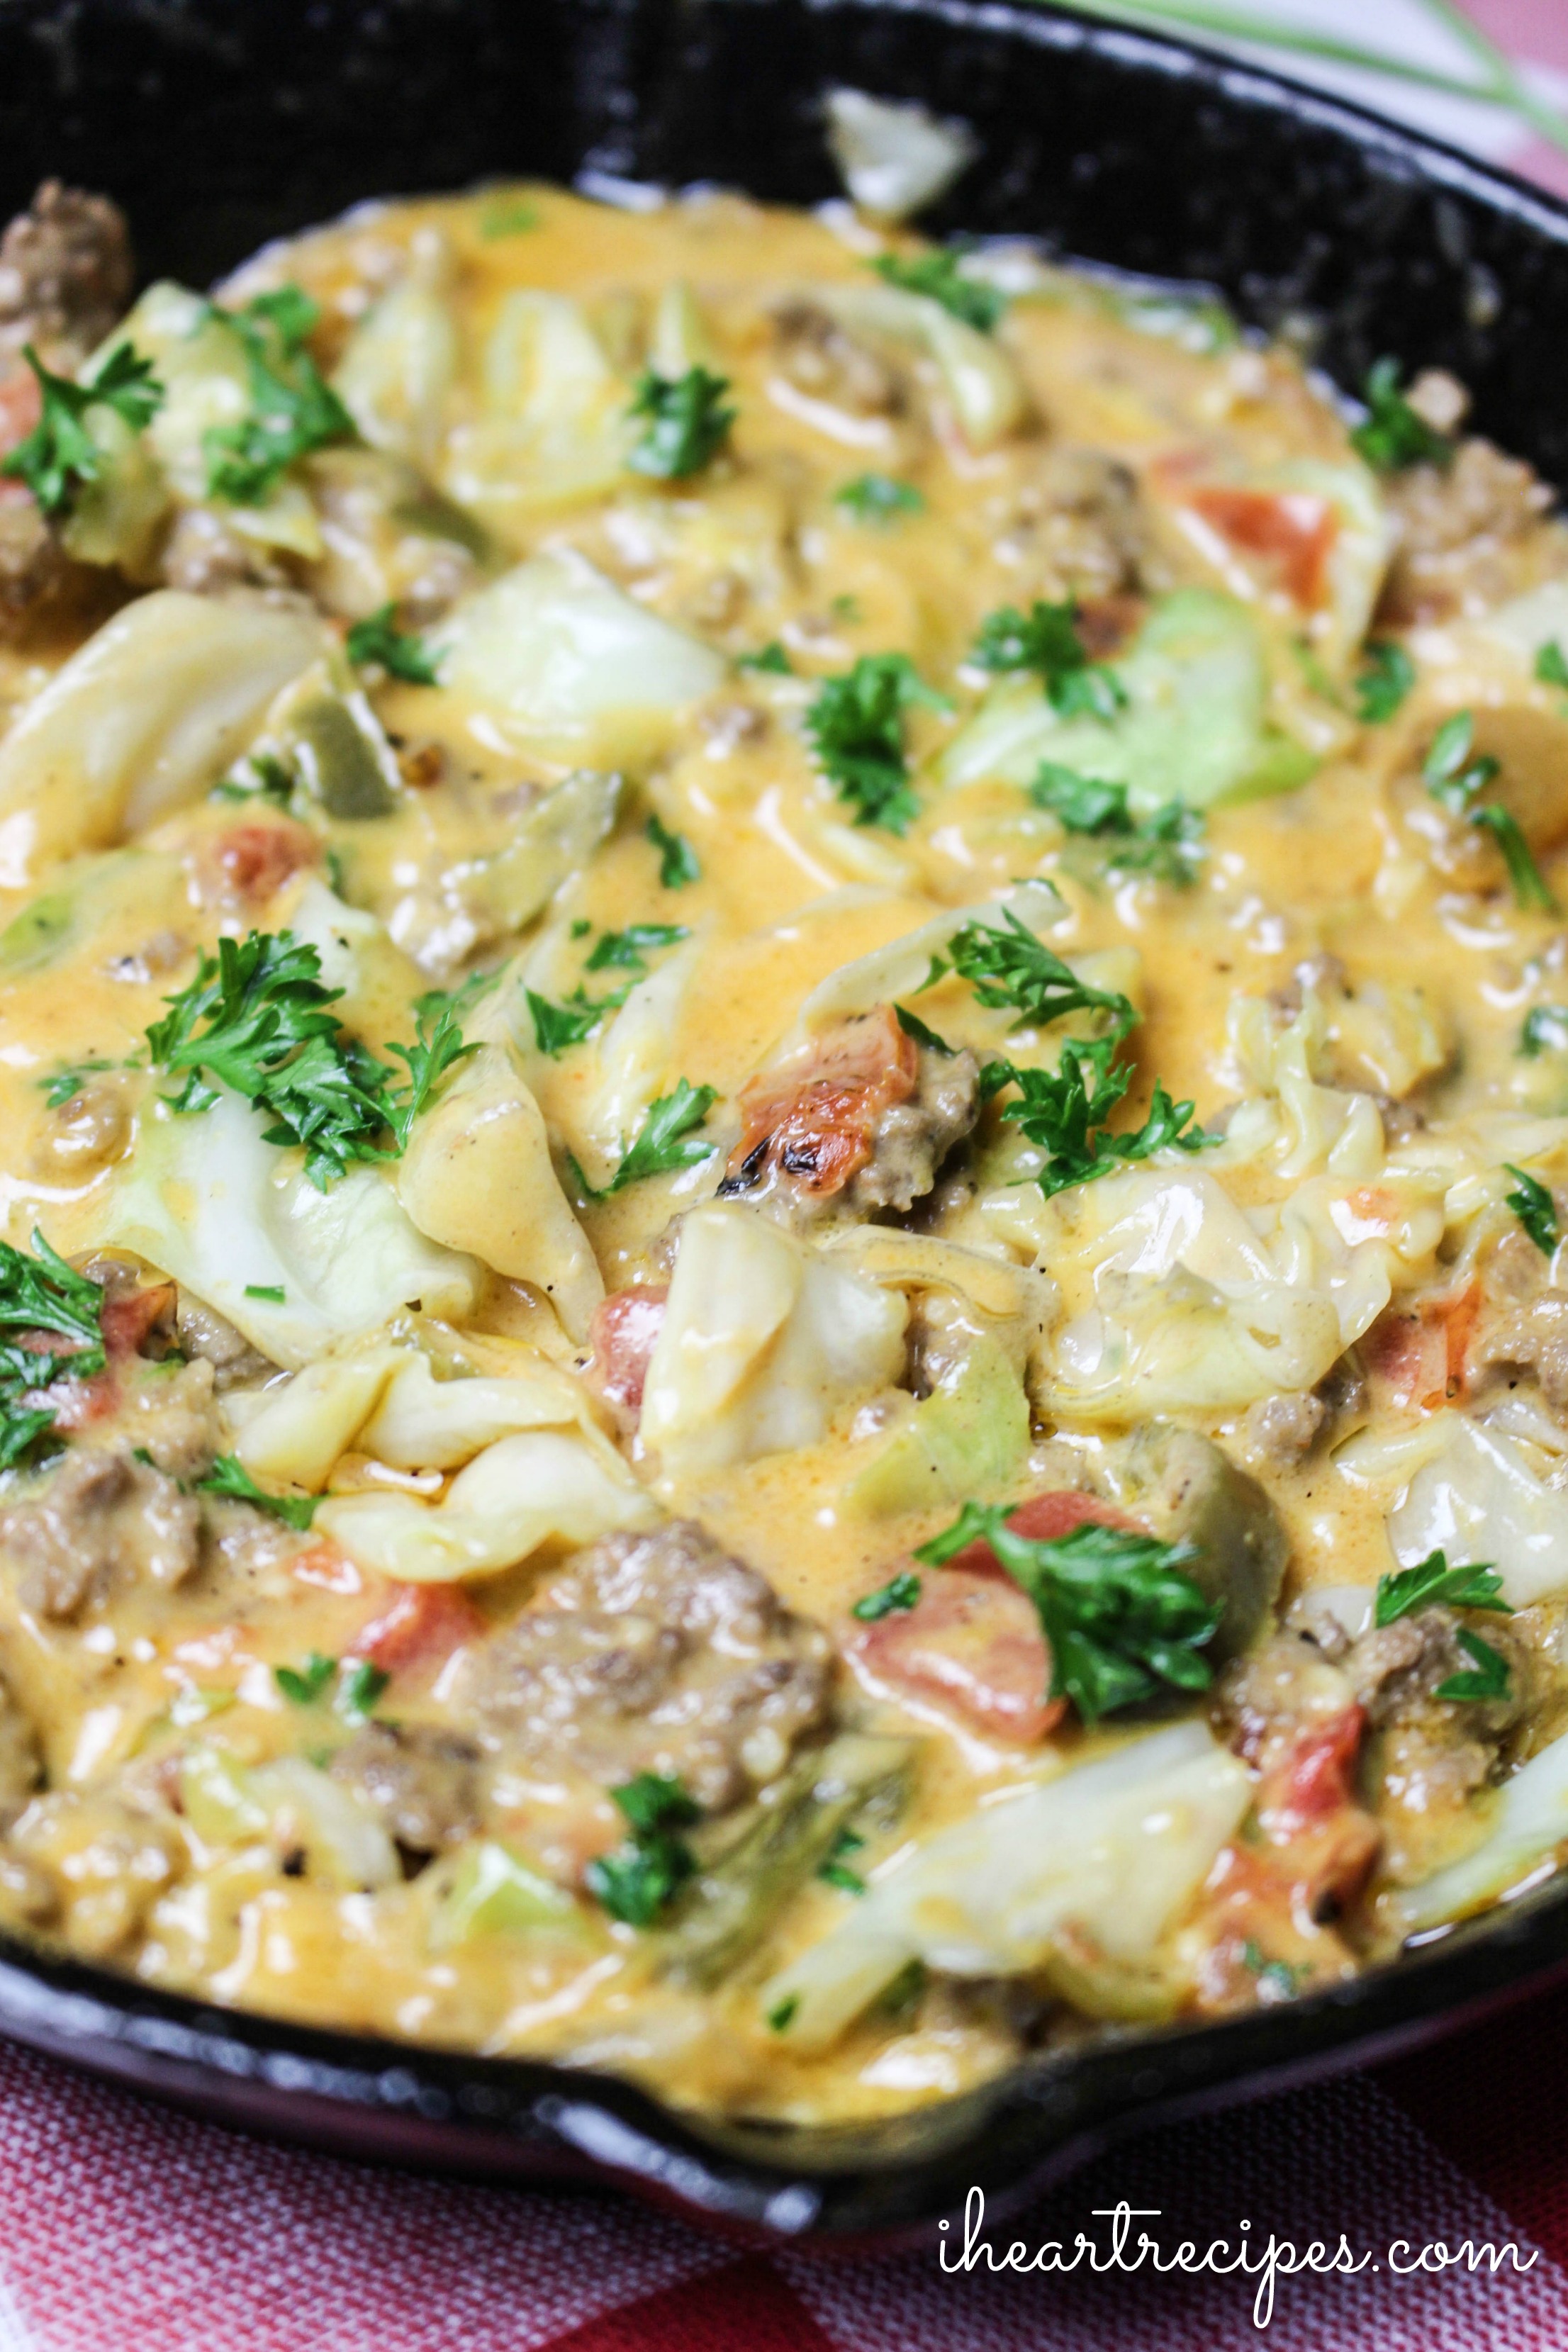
125, 2229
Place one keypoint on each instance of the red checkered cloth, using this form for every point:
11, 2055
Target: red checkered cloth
126, 2229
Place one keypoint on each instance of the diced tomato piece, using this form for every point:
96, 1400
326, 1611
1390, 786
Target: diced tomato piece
248, 862
1308, 1809
77, 1404
814, 1119
1293, 531
1104, 623
1261, 1942
974, 1645
1421, 1356
129, 1319
423, 1625
21, 404
624, 1333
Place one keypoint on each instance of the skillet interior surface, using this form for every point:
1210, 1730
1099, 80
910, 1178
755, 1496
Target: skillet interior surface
218, 125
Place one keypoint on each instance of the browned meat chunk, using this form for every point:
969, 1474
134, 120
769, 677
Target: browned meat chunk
66, 275
209, 1337
1520, 1322
1281, 1431
653, 1654
817, 354
1465, 534
1078, 529
858, 1120
100, 1519
421, 1784
19, 1766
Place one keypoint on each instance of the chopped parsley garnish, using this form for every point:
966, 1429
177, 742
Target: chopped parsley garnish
304, 1685
1545, 1030
1392, 436
1007, 965
1084, 803
1119, 1612
59, 453
938, 277
400, 652
1529, 883
856, 729
272, 1294
913, 1026
1279, 1977
663, 1144
362, 1686
901, 1591
557, 1027
39, 1294
637, 1882
835, 1871
1385, 676
1045, 640
677, 861
879, 498
62, 1086
1165, 845
1064, 1112
257, 1019
1536, 1210
781, 2017
1432, 1581
688, 423
230, 1478
1455, 774
270, 779
902, 1996
1488, 1677
293, 409
770, 660
625, 950
1550, 664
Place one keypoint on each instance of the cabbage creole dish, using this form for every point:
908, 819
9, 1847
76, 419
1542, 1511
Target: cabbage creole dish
783, 1045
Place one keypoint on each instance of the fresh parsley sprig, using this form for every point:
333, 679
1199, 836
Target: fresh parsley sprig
1432, 1581
40, 1294
1166, 844
293, 408
856, 724
59, 453
229, 1477
626, 950
1007, 966
663, 1145
677, 862
1121, 1614
1536, 1210
258, 1019
1488, 1678
1551, 664
400, 652
879, 498
636, 1884
938, 277
1064, 1110
558, 1027
901, 1591
1046, 639
1385, 676
688, 423
1392, 436
1545, 1030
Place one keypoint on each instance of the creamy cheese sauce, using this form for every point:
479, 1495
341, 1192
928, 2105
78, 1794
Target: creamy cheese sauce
219, 1769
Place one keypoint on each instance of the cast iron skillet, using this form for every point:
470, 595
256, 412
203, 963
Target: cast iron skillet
218, 123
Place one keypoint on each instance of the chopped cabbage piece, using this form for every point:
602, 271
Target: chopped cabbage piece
894, 157
982, 387
553, 656
491, 1890
1193, 729
1117, 1848
968, 1437
1528, 1820
765, 1343
552, 840
400, 364
556, 428
1480, 1499
532, 1488
205, 1200
304, 1424
478, 1175
152, 708
425, 1424
294, 1806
